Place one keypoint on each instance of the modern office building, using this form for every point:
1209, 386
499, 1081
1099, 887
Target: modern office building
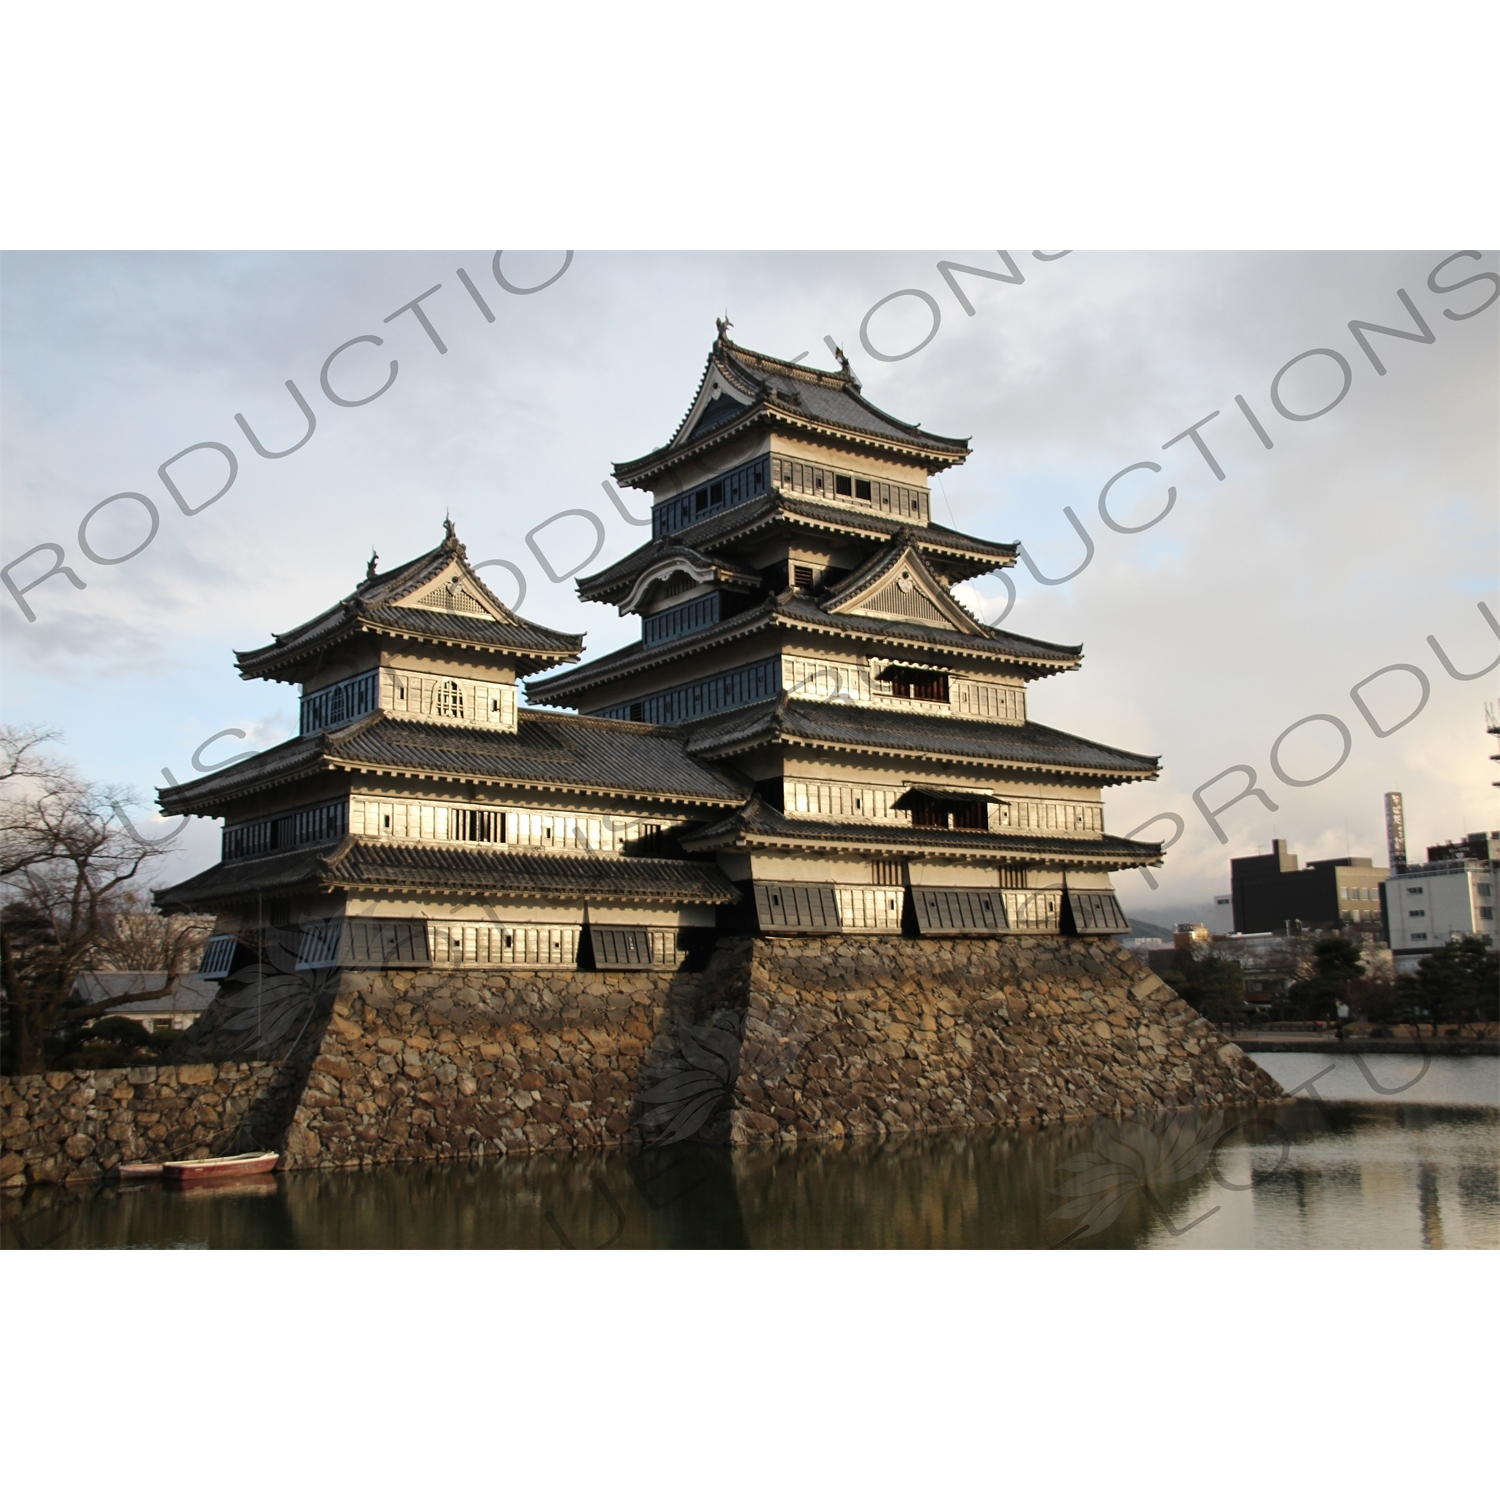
1272, 893
1452, 895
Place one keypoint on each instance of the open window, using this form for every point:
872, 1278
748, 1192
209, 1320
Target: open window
936, 807
916, 683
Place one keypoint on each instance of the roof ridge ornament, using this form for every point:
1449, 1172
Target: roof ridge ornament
723, 325
451, 542
844, 365
370, 566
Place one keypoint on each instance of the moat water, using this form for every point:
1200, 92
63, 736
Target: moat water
1377, 1153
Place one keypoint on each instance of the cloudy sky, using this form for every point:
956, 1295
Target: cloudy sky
1260, 599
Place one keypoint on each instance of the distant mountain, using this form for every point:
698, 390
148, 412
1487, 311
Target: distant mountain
1140, 929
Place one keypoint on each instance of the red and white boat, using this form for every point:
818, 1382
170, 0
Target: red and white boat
216, 1168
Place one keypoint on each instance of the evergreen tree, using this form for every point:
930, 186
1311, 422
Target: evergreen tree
1336, 962
1213, 986
1458, 982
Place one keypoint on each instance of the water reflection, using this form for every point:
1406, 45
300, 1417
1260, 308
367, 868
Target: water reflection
1412, 1080
1314, 1175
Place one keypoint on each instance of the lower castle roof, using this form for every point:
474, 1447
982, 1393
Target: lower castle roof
793, 611
835, 726
548, 751
760, 826
427, 869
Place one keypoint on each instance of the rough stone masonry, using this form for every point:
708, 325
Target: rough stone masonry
785, 1039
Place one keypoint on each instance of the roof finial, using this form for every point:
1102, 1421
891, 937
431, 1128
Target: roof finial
723, 325
370, 566
450, 536
842, 358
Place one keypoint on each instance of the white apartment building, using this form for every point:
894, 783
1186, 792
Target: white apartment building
1427, 905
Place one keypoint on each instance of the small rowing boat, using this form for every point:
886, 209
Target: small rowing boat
131, 1171
216, 1168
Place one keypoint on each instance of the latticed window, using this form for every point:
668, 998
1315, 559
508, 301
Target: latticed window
450, 700
913, 682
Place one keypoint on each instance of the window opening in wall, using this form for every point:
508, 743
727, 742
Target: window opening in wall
887, 872
450, 700
912, 682
650, 844
637, 712
700, 501
861, 489
927, 813
970, 816
472, 825
842, 485
802, 576
1012, 879
716, 493
943, 811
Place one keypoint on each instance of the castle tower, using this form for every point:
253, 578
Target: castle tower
421, 819
798, 626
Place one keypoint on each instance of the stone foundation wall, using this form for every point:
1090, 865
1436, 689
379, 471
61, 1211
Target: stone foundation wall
782, 1039
849, 1037
433, 1065
78, 1126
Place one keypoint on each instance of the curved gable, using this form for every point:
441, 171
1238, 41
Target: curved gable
898, 585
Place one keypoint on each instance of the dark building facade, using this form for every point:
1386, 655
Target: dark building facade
1271, 890
812, 735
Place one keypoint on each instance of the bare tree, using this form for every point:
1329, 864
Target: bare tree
67, 863
140, 939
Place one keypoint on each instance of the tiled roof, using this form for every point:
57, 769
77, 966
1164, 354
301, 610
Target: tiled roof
527, 873
548, 750
794, 609
991, 642
298, 869
955, 554
758, 825
368, 608
359, 864
289, 761
777, 389
517, 634
186, 993
887, 731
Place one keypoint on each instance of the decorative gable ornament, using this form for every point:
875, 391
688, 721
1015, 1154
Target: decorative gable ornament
898, 585
453, 593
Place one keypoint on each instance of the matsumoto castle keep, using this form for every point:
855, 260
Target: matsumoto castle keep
812, 736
